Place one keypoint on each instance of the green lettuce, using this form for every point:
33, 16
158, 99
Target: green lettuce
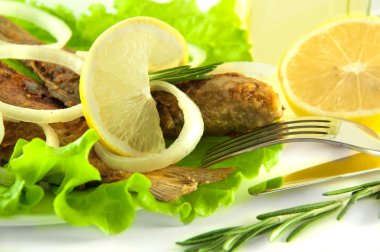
36, 171
35, 168
217, 31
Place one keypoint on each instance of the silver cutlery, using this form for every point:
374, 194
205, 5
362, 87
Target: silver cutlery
328, 130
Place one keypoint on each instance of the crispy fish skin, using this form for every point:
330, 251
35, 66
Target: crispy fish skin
61, 82
229, 103
168, 184
16, 89
10, 32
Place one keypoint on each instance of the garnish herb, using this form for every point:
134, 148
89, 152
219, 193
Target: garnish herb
276, 223
19, 67
172, 75
183, 73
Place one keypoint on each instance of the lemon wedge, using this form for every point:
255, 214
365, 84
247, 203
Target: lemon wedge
335, 71
116, 98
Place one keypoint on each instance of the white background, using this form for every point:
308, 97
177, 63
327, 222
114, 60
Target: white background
358, 231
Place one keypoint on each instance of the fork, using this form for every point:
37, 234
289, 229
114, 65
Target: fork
328, 130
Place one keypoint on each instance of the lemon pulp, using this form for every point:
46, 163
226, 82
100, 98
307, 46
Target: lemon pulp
335, 71
115, 89
116, 98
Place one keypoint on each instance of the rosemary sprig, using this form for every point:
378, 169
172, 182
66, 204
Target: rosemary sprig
183, 73
172, 75
19, 67
290, 220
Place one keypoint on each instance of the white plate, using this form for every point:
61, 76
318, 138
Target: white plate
41, 214
150, 230
295, 156
30, 220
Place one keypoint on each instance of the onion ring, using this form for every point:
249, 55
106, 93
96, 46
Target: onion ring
35, 52
185, 143
55, 26
52, 139
82, 54
56, 56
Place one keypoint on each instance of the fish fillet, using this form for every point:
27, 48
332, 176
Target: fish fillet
230, 104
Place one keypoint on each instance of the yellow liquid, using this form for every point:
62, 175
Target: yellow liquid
354, 164
275, 24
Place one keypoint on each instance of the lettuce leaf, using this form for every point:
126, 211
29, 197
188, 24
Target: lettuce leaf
35, 168
248, 164
208, 198
204, 29
33, 162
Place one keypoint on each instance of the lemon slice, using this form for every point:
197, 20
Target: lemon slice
188, 138
116, 98
335, 71
115, 90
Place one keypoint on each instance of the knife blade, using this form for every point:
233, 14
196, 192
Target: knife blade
341, 168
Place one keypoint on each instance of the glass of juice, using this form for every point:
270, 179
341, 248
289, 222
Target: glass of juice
275, 25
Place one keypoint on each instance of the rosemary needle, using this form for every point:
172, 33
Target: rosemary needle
298, 230
297, 209
277, 223
19, 67
351, 189
183, 73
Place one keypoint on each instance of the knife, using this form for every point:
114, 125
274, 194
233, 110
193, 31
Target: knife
356, 164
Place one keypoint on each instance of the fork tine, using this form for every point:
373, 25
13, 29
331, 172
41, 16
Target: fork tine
266, 129
252, 137
260, 142
270, 133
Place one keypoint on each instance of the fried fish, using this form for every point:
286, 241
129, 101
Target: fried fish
230, 104
167, 184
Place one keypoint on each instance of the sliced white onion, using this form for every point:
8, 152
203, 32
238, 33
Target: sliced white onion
35, 52
50, 134
59, 57
41, 116
1, 128
82, 54
186, 142
56, 27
